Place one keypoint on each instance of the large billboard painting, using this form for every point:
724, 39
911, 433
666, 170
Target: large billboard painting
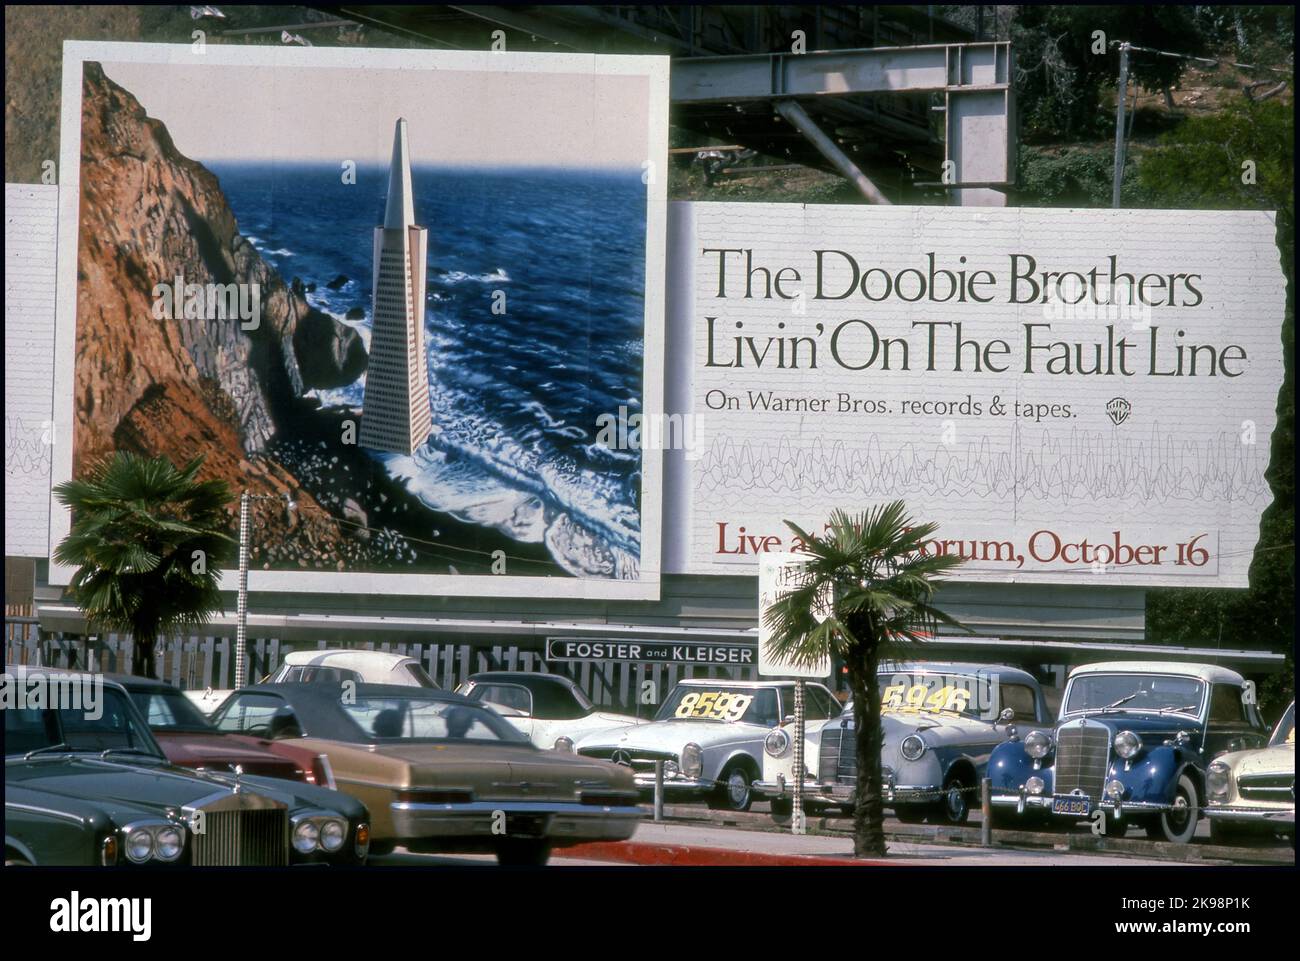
1074, 396
391, 294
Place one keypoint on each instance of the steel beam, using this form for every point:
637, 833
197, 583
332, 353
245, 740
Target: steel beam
919, 69
799, 119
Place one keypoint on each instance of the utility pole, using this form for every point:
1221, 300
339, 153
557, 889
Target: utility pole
1119, 123
241, 605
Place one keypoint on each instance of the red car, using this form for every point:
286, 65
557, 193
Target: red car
190, 740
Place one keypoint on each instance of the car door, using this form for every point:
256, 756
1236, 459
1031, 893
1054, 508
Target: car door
1233, 724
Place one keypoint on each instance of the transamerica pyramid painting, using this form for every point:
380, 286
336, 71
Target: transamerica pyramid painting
395, 413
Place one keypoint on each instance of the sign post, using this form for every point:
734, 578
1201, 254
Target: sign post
778, 574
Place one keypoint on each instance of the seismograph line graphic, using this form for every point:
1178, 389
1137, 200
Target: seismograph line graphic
1085, 466
26, 451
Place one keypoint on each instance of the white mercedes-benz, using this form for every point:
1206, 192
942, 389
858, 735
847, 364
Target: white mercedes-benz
709, 735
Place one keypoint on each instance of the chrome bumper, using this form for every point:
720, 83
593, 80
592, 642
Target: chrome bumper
1234, 812
677, 785
1044, 801
482, 819
843, 794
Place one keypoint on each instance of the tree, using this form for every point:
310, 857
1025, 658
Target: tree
148, 542
1241, 157
879, 582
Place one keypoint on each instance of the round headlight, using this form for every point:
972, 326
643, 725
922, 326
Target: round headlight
1034, 785
563, 743
1115, 789
912, 747
671, 769
1127, 744
1218, 779
305, 836
692, 760
332, 835
1037, 744
168, 843
139, 845
776, 742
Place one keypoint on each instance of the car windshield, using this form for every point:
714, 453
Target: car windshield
108, 725
1284, 733
170, 711
415, 719
1165, 693
951, 694
721, 703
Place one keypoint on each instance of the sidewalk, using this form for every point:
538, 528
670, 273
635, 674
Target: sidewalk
690, 845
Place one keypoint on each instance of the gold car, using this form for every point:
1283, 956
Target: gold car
439, 772
1254, 791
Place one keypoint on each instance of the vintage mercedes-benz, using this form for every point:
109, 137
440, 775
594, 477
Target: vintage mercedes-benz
941, 722
1133, 741
709, 735
440, 772
549, 709
1252, 793
87, 784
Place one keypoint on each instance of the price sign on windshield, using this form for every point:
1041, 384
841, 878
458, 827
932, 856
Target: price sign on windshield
713, 705
900, 698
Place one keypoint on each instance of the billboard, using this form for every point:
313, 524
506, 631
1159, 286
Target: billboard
391, 293
1072, 395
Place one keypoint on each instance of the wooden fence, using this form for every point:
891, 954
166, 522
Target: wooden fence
195, 663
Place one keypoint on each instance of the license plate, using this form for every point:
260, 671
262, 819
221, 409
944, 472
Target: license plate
1072, 804
526, 825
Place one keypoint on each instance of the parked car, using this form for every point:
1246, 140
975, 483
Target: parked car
941, 722
709, 734
1253, 792
549, 709
331, 666
1133, 741
440, 772
93, 787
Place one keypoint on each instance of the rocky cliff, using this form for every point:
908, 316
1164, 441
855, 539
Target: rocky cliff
181, 387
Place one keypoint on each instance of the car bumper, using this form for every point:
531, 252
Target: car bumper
556, 821
677, 786
1043, 802
1253, 815
894, 794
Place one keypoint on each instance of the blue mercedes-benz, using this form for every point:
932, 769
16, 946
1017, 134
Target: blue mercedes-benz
1133, 741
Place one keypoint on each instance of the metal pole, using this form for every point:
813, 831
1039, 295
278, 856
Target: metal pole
986, 812
796, 809
799, 119
241, 605
659, 790
1120, 104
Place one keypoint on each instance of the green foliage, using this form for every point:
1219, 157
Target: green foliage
1059, 77
1071, 177
1200, 165
148, 542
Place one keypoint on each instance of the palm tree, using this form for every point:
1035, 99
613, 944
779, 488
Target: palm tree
148, 542
868, 574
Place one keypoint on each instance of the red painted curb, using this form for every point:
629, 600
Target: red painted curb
685, 855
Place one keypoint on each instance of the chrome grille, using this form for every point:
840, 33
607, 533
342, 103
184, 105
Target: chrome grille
837, 760
1266, 787
258, 838
638, 760
1082, 756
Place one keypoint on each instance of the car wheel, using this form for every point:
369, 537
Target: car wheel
782, 810
1178, 824
954, 807
523, 853
733, 794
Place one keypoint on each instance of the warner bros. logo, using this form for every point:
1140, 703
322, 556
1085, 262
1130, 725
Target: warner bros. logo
1118, 409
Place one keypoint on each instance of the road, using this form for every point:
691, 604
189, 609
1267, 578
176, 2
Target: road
695, 836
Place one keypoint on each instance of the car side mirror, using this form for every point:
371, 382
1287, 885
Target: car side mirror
788, 719
1007, 716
